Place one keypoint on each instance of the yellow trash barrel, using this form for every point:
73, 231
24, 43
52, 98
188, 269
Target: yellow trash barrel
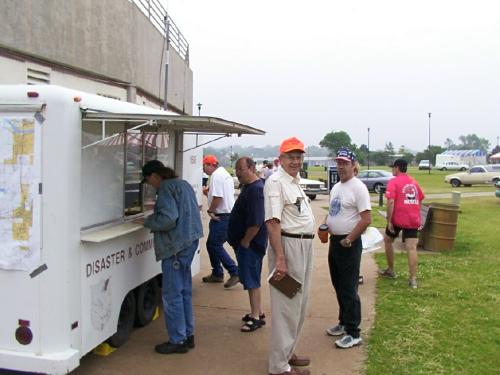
442, 228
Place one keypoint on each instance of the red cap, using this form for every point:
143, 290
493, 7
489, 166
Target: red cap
291, 144
210, 159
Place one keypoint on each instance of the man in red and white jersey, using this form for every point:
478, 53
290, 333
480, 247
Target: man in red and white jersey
404, 199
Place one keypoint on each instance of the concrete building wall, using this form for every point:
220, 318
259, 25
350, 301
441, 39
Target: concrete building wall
112, 40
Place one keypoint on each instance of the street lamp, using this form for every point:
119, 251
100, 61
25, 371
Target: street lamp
368, 155
199, 108
430, 156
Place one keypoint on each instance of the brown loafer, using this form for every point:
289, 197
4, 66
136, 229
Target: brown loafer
294, 371
299, 360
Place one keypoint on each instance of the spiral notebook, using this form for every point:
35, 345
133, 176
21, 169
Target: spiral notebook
287, 285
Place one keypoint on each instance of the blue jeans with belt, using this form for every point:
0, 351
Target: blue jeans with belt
177, 294
215, 245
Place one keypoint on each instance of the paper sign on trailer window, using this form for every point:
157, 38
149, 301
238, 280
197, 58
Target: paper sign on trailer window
19, 195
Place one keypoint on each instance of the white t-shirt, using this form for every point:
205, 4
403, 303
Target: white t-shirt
285, 200
347, 200
221, 185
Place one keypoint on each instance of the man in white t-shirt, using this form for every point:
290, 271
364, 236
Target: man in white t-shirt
348, 217
220, 203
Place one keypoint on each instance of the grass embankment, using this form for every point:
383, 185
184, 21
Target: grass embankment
451, 323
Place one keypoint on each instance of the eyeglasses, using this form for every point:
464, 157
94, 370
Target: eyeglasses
294, 156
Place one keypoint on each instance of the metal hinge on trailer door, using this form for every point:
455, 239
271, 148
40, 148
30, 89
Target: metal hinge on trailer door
40, 188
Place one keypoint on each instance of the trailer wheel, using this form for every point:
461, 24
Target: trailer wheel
125, 321
147, 297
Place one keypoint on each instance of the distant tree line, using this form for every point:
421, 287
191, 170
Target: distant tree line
333, 141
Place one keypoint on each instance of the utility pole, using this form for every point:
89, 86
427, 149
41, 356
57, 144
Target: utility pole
430, 155
368, 156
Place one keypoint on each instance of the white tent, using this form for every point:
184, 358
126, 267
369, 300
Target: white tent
495, 158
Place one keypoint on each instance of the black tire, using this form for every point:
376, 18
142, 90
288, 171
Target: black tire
312, 196
495, 180
444, 169
376, 188
463, 169
455, 182
147, 296
125, 321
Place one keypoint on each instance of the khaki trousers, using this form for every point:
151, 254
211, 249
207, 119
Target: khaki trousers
287, 315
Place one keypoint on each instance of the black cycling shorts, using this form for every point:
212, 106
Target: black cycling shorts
407, 232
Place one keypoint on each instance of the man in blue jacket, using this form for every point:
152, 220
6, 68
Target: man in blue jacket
176, 225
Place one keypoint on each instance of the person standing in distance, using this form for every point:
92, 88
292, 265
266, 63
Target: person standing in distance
348, 217
290, 224
247, 234
220, 203
176, 226
404, 200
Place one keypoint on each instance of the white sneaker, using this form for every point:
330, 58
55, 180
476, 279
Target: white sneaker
348, 341
337, 330
412, 283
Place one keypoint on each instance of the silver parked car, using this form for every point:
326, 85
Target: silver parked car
374, 179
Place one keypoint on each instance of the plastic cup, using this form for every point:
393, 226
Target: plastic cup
323, 233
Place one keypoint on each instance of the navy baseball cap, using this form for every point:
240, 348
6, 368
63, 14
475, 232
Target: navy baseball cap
400, 163
346, 155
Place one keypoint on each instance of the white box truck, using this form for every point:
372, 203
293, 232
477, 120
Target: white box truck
74, 269
459, 159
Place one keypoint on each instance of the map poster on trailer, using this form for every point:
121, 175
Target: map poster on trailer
20, 149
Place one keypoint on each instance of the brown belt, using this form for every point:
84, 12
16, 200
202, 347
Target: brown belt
304, 236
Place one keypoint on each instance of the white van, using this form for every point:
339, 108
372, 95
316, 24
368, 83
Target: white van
74, 269
424, 164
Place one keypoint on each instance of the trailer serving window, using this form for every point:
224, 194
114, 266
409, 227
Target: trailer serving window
113, 153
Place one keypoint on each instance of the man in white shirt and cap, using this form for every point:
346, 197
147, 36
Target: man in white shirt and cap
290, 223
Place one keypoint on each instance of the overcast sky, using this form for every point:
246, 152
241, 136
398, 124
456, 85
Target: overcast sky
305, 68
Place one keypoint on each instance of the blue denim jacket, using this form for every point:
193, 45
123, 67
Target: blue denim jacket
176, 220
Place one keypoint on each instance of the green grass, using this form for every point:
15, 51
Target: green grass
451, 324
430, 183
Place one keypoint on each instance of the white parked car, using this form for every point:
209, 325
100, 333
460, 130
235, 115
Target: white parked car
424, 164
479, 174
452, 166
313, 187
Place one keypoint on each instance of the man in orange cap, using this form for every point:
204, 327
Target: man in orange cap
290, 223
220, 203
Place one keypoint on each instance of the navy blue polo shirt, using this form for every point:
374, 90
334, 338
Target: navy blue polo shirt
248, 211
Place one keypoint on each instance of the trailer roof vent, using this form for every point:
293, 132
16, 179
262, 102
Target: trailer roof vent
37, 77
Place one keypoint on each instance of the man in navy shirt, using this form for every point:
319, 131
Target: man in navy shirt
247, 234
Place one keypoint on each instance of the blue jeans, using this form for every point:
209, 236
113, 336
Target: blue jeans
217, 235
177, 294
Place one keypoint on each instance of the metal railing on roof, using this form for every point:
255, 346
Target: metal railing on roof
159, 17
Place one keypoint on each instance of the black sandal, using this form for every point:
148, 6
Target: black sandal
262, 318
251, 325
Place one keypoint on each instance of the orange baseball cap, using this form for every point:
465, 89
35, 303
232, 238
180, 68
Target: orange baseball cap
210, 159
291, 144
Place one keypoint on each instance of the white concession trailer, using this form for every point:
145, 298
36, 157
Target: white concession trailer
75, 270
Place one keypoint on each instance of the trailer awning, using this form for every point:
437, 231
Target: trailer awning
188, 124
